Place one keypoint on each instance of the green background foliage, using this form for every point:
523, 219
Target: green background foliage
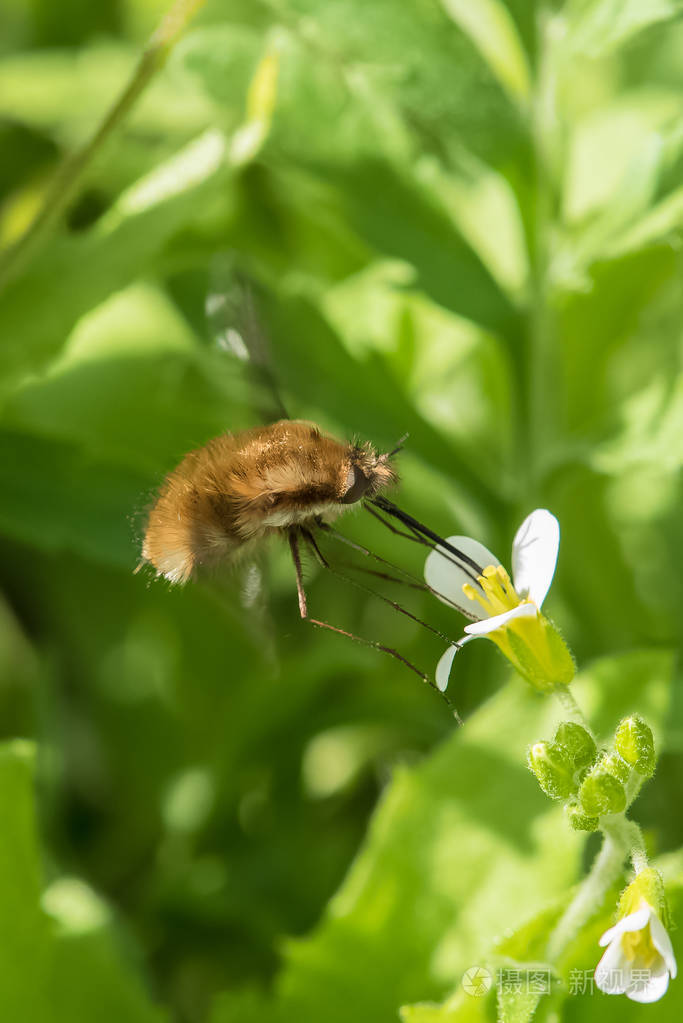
464, 223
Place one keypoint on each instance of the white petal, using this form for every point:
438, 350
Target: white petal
443, 668
534, 555
491, 624
633, 922
662, 942
447, 578
652, 989
613, 972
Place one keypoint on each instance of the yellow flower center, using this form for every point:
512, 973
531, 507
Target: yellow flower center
530, 642
496, 593
638, 945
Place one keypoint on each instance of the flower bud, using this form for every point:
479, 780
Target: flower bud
616, 766
553, 768
634, 742
577, 744
579, 820
601, 793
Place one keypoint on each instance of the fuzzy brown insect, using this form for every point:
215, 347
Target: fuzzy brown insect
286, 478
239, 488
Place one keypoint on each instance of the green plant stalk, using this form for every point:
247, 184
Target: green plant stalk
621, 838
69, 173
571, 707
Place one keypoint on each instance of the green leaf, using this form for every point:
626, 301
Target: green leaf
460, 849
518, 1006
66, 93
23, 928
336, 382
599, 27
91, 501
595, 323
133, 386
64, 963
461, 1008
492, 29
358, 74
424, 236
105, 258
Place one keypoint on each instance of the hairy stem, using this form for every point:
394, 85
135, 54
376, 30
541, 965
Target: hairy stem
622, 837
589, 897
637, 843
571, 707
68, 175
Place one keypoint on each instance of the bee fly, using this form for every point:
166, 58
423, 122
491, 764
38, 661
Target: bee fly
287, 478
239, 488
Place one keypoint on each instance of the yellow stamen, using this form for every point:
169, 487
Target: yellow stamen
639, 945
495, 592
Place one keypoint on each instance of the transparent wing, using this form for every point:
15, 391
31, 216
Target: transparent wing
232, 314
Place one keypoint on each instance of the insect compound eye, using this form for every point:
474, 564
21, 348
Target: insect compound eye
356, 485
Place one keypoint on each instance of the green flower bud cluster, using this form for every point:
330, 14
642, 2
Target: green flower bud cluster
561, 765
591, 782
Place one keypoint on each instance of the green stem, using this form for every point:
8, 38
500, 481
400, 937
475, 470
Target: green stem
638, 852
621, 838
68, 175
633, 787
569, 704
589, 896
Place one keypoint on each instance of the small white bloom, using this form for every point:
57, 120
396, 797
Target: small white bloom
639, 959
475, 582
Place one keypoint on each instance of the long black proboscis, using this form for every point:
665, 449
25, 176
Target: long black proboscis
467, 564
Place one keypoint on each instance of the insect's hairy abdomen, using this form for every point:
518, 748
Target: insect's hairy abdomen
239, 487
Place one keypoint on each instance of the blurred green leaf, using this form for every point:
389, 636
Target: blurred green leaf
65, 965
451, 858
40, 86
133, 386
461, 1009
359, 75
600, 26
464, 222
90, 501
40, 307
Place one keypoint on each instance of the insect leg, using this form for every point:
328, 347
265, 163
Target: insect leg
310, 539
409, 579
296, 558
303, 611
380, 596
360, 639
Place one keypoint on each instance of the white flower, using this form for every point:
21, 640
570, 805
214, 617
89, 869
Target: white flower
639, 959
470, 578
